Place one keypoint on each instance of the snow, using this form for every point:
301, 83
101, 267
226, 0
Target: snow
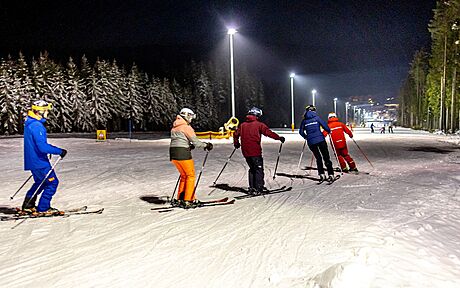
397, 227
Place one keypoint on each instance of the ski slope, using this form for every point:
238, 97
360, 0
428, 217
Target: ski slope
397, 227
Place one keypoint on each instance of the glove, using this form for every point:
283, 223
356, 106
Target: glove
208, 146
63, 153
192, 146
237, 145
282, 139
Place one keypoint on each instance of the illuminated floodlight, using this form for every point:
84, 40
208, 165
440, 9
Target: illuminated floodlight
231, 31
292, 75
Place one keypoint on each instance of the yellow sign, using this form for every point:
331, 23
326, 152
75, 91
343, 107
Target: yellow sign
101, 135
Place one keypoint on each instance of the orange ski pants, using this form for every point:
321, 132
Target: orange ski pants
186, 169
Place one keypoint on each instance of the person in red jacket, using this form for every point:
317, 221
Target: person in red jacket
338, 130
250, 133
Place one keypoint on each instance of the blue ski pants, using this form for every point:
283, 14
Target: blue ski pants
47, 190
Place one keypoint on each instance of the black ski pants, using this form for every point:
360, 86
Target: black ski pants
256, 172
320, 151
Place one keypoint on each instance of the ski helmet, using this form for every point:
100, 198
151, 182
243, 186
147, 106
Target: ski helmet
332, 114
41, 105
310, 108
187, 114
255, 111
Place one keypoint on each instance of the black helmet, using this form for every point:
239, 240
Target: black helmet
310, 108
255, 111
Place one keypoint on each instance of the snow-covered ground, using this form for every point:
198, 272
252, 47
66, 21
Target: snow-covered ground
397, 227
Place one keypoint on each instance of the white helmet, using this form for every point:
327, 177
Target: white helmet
41, 105
332, 114
187, 114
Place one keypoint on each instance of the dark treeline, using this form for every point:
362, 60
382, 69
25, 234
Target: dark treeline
429, 97
105, 95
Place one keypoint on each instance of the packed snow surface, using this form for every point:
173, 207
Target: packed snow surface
399, 226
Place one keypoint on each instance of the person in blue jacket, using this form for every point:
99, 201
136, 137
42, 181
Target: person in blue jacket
310, 129
36, 150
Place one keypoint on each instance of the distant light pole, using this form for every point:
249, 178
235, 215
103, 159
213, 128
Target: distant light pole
313, 94
292, 76
346, 112
230, 33
335, 105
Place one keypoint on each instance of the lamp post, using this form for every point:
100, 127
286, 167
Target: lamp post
335, 105
230, 33
455, 27
313, 94
346, 112
292, 76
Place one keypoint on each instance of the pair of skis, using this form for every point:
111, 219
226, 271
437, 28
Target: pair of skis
66, 213
328, 181
217, 202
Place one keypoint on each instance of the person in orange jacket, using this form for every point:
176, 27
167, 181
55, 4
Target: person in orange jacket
338, 130
183, 140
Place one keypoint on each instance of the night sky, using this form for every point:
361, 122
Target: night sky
341, 48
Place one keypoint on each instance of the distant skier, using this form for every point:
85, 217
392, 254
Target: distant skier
36, 150
372, 128
338, 130
310, 129
390, 128
382, 130
250, 133
183, 140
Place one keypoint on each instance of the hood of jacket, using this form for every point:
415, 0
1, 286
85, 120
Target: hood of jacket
310, 114
32, 117
333, 119
179, 121
251, 118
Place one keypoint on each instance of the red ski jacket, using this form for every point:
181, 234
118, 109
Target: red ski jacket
250, 133
337, 132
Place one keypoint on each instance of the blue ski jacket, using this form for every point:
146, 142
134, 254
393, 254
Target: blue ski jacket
310, 128
36, 147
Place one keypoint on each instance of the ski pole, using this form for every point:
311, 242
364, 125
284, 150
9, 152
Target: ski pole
311, 164
175, 188
277, 160
301, 154
225, 165
201, 172
362, 152
44, 179
335, 153
11, 198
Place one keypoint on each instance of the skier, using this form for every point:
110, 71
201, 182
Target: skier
250, 132
36, 150
372, 127
183, 140
390, 128
338, 130
311, 131
382, 130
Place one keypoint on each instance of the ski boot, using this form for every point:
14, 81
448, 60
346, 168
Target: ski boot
190, 204
175, 202
354, 170
28, 206
50, 212
345, 170
322, 177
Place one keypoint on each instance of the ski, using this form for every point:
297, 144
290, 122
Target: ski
66, 214
268, 192
336, 169
19, 211
218, 202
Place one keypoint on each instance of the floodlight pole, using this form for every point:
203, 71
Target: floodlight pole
313, 94
292, 101
231, 32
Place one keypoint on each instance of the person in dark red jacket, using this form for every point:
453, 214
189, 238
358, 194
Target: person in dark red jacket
338, 130
250, 133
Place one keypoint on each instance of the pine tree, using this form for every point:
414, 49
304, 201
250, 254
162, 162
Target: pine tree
9, 98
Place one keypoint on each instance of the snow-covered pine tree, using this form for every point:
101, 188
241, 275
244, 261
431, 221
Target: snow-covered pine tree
74, 87
97, 105
9, 98
170, 107
26, 91
135, 108
117, 84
